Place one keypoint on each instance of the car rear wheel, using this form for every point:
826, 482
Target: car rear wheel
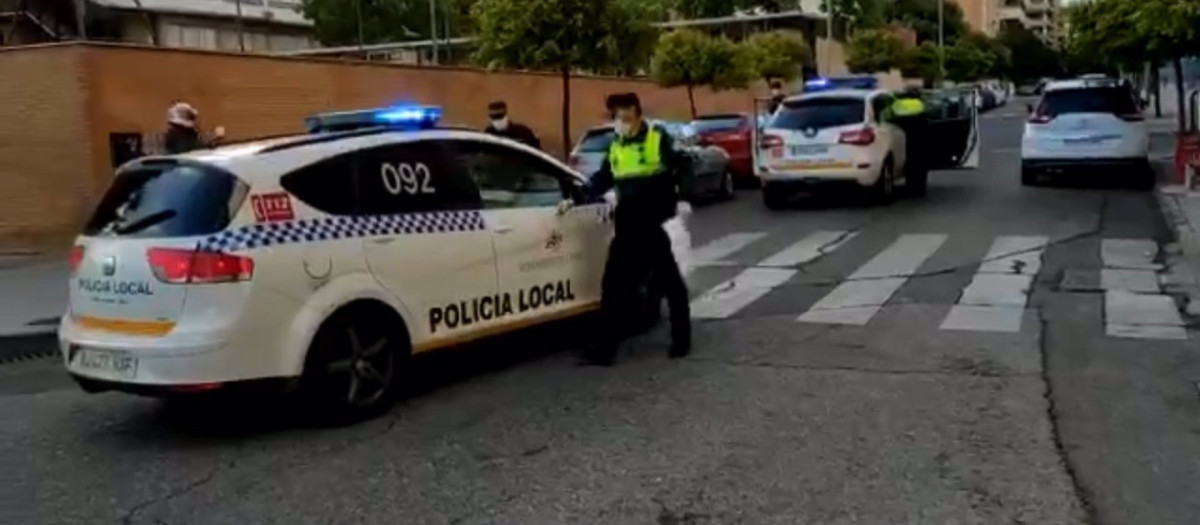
773, 196
883, 192
727, 191
1029, 177
1145, 178
916, 181
354, 366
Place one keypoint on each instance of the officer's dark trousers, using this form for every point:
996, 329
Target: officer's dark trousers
640, 257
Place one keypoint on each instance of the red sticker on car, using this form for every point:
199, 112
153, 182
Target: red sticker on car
271, 207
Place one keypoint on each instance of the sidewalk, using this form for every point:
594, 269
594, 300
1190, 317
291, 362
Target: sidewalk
1182, 212
35, 296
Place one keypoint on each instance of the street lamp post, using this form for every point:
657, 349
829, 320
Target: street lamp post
358, 15
240, 29
941, 42
433, 29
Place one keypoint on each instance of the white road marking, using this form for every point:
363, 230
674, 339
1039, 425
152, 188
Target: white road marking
1134, 307
995, 299
727, 298
808, 249
716, 251
856, 301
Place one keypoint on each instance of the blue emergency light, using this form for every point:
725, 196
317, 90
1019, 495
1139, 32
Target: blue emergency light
851, 82
398, 117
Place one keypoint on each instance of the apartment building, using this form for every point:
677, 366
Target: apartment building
225, 25
1039, 16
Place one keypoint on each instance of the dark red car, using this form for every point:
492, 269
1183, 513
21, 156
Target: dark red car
731, 132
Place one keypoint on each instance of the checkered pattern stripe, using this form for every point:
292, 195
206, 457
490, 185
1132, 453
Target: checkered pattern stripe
334, 228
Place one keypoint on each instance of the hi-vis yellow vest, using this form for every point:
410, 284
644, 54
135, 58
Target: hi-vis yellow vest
907, 107
634, 160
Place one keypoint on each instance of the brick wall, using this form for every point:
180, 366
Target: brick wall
60, 104
46, 178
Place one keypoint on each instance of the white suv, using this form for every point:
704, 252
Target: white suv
323, 261
1086, 123
831, 138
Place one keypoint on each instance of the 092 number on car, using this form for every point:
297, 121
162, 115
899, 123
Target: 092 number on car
406, 178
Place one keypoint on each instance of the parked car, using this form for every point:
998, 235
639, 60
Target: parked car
1093, 123
731, 132
707, 175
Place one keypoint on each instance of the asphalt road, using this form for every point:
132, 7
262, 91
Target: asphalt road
850, 368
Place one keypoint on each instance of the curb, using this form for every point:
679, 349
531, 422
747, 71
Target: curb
1187, 238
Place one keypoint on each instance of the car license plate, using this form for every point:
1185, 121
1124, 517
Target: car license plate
119, 364
803, 151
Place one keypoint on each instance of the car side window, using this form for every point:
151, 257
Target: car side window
327, 185
509, 178
411, 177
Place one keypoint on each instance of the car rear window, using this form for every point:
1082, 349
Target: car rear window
717, 123
596, 140
1113, 100
819, 113
167, 199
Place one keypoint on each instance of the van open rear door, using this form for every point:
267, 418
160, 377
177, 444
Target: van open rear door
954, 123
761, 113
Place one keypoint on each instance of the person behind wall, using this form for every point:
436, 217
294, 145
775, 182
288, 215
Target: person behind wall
182, 135
777, 96
644, 168
501, 126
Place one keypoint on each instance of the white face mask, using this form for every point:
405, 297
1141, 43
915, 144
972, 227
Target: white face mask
500, 124
622, 128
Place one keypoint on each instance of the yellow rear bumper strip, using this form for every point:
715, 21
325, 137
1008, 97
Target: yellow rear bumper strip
125, 326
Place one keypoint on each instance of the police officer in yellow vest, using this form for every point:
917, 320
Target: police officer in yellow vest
908, 113
644, 167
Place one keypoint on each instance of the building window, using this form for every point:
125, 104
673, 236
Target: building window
191, 37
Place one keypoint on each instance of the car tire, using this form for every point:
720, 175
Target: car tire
1029, 177
1146, 178
883, 192
727, 191
355, 364
773, 196
917, 182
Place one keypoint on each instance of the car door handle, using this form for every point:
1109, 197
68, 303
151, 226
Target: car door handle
385, 240
502, 228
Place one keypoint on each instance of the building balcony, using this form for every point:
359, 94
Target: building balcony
1037, 6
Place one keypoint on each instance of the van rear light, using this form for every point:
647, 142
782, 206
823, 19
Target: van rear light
183, 266
771, 141
861, 137
1132, 117
75, 257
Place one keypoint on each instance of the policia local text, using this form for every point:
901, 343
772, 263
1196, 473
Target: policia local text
488, 307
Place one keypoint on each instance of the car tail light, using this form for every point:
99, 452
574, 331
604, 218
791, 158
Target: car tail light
861, 137
771, 141
75, 257
1040, 119
573, 161
180, 266
1132, 117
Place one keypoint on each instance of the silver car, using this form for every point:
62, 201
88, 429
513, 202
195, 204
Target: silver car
707, 175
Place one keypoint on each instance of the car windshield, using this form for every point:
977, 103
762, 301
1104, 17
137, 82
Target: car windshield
1112, 100
717, 123
819, 113
167, 199
596, 141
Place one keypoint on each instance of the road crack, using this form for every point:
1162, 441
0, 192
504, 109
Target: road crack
130, 517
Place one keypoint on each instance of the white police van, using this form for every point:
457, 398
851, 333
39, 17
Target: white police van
324, 260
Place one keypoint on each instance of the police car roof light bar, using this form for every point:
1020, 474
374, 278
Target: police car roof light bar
399, 117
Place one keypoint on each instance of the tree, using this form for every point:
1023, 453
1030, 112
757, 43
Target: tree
720, 8
875, 50
966, 62
1030, 57
690, 58
779, 54
922, 17
336, 22
922, 62
859, 14
558, 35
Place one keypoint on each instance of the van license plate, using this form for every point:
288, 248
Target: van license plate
802, 151
119, 364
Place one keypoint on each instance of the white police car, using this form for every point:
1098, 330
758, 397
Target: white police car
324, 260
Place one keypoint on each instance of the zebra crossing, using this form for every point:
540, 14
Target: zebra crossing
994, 300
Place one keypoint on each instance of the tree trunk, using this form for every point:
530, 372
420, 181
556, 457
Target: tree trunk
1156, 89
566, 111
1182, 117
691, 101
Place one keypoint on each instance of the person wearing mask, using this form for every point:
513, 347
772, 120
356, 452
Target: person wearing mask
777, 96
499, 125
644, 168
182, 135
